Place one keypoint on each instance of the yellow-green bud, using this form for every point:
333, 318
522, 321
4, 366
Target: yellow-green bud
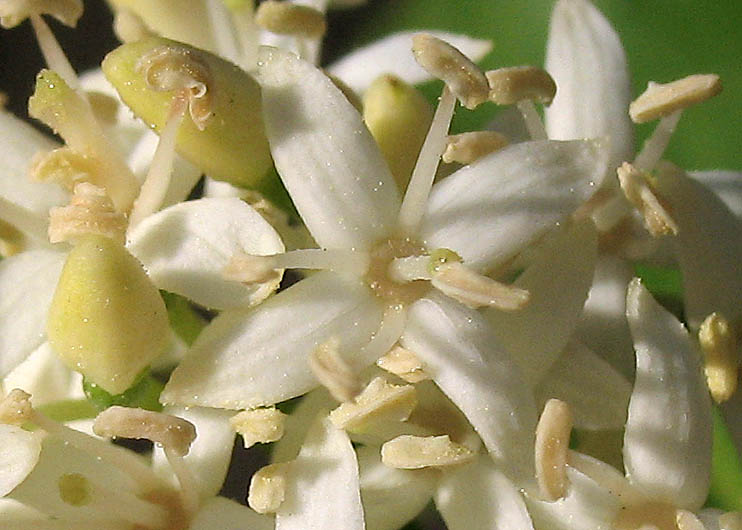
107, 320
231, 145
398, 117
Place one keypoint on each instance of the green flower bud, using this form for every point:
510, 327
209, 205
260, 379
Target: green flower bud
225, 135
107, 320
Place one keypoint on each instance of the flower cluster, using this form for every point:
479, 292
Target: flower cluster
463, 325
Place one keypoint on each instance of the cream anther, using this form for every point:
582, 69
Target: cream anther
333, 372
259, 425
16, 408
718, 343
90, 211
268, 488
660, 100
641, 194
404, 364
250, 269
468, 147
174, 434
379, 402
64, 166
13, 12
518, 83
417, 452
177, 68
464, 78
290, 19
552, 446
475, 290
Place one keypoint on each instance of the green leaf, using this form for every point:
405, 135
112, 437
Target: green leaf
726, 469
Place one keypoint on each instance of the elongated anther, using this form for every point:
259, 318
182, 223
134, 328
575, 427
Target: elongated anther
333, 372
464, 78
379, 401
417, 452
718, 343
475, 290
13, 12
262, 425
552, 445
404, 364
660, 100
638, 190
513, 84
468, 147
290, 19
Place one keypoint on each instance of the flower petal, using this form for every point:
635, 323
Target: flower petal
323, 490
299, 422
479, 496
585, 57
326, 157
667, 445
186, 247
226, 514
490, 210
248, 358
393, 55
27, 284
19, 453
558, 281
465, 360
726, 184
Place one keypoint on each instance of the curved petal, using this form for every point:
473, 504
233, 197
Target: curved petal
19, 453
558, 281
465, 360
186, 247
393, 55
248, 358
667, 444
490, 210
479, 496
27, 284
726, 184
323, 490
226, 514
585, 57
326, 157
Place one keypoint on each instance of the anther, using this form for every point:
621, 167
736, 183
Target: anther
660, 100
333, 372
290, 19
417, 452
16, 408
464, 78
378, 402
259, 425
404, 364
468, 147
641, 194
552, 446
14, 12
518, 83
474, 290
250, 269
90, 211
717, 340
268, 488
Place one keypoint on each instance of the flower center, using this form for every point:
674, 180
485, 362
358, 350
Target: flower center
382, 255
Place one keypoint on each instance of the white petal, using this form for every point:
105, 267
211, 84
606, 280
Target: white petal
186, 247
323, 490
558, 281
726, 184
27, 284
479, 496
585, 57
488, 211
211, 451
248, 358
19, 453
597, 394
392, 497
708, 247
326, 157
463, 357
667, 444
393, 55
224, 514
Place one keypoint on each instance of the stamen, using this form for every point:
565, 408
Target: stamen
268, 488
535, 126
172, 67
128, 26
730, 521
718, 344
378, 402
518, 83
475, 290
291, 19
404, 364
259, 425
53, 54
417, 452
641, 194
462, 76
63, 166
410, 269
660, 100
390, 329
90, 211
686, 520
333, 372
654, 147
468, 147
552, 445
13, 12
